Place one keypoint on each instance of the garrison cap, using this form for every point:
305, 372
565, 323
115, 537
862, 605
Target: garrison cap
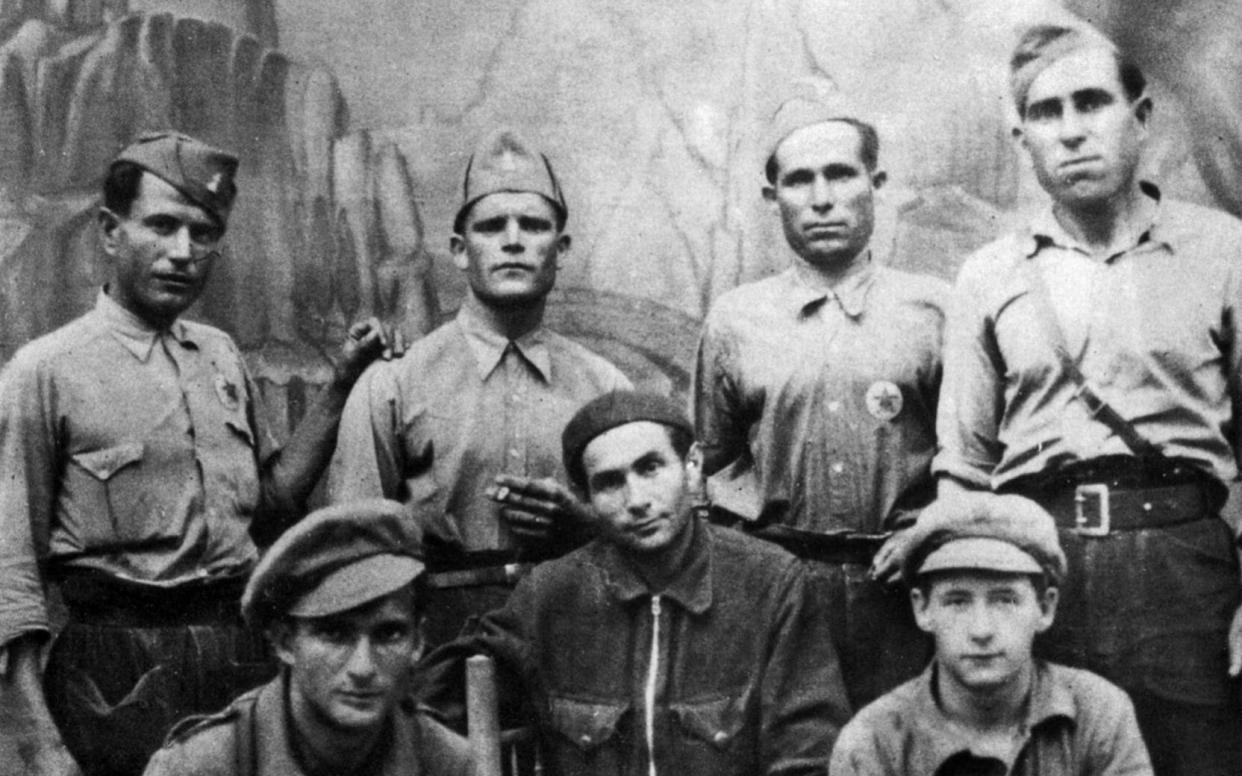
806, 110
505, 161
1040, 46
337, 558
985, 532
204, 174
606, 412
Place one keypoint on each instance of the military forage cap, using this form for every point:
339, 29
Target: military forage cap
504, 161
1041, 46
804, 110
609, 411
985, 532
202, 173
337, 558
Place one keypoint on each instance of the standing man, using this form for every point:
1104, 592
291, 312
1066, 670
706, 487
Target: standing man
1094, 364
138, 476
340, 596
817, 387
984, 575
464, 429
667, 644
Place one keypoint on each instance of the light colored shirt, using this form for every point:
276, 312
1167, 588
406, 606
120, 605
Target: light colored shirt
126, 451
826, 399
1154, 328
464, 404
1076, 724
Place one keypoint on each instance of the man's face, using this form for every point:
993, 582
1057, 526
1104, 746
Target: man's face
824, 193
984, 624
639, 486
161, 253
348, 671
509, 248
1084, 135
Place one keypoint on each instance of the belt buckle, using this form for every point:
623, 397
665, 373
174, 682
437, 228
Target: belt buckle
1083, 495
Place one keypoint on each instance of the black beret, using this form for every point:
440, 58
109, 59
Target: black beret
609, 411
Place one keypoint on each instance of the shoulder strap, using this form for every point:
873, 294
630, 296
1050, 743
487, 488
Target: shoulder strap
1099, 408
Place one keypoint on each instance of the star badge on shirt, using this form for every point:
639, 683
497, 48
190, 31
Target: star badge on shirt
228, 393
884, 400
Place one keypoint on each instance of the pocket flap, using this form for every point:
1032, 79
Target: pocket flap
102, 464
586, 724
715, 721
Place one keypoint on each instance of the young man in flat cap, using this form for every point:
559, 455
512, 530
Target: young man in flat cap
463, 429
340, 597
984, 573
818, 386
666, 645
1094, 364
137, 477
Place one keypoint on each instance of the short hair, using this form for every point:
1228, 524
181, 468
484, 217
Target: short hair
1037, 40
868, 147
121, 186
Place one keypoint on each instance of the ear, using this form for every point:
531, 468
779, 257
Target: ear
1142, 110
1018, 136
280, 634
109, 229
769, 193
920, 604
563, 243
878, 179
1048, 609
457, 246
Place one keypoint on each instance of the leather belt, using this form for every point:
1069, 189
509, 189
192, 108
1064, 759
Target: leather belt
1096, 509
836, 547
97, 599
507, 575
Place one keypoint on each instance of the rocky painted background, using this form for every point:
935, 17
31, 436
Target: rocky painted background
354, 120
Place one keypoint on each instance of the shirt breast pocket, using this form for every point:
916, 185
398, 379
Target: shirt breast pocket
581, 731
113, 499
714, 723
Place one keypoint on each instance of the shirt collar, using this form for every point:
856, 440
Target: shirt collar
1045, 231
1049, 700
691, 589
488, 346
805, 294
135, 334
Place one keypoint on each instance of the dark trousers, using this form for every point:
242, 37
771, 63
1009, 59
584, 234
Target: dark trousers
115, 692
878, 644
1185, 739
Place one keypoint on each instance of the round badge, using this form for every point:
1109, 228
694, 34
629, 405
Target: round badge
884, 400
228, 394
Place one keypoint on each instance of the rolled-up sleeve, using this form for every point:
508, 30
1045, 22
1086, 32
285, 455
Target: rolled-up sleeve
718, 417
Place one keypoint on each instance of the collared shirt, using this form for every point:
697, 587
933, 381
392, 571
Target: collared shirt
1076, 724
126, 451
253, 737
728, 670
1154, 328
464, 404
828, 398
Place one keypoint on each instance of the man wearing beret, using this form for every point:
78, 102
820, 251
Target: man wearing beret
1094, 363
340, 597
667, 644
138, 476
984, 573
817, 387
463, 429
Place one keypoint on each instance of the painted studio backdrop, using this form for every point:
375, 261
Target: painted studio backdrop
354, 120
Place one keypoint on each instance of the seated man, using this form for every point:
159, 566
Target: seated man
340, 597
666, 644
984, 573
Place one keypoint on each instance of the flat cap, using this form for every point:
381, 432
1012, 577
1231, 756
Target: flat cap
335, 559
505, 161
609, 411
986, 532
204, 174
1042, 45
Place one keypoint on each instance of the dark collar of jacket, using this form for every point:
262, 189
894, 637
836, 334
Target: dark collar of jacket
691, 588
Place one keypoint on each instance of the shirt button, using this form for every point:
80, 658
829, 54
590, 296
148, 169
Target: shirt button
513, 452
834, 406
719, 737
585, 740
838, 467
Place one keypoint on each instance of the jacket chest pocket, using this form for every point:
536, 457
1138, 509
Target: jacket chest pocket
715, 722
112, 499
587, 725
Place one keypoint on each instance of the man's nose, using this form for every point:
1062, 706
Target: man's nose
821, 194
637, 494
1072, 127
981, 625
361, 664
513, 236
180, 247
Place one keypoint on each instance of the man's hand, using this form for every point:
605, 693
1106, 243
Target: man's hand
365, 342
886, 566
1235, 644
538, 510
